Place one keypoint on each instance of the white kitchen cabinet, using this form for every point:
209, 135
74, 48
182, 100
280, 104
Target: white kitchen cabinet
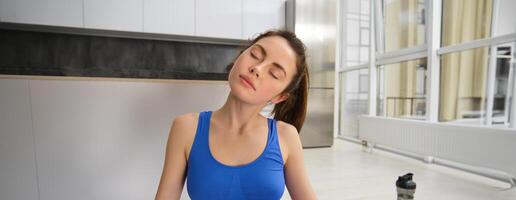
106, 139
169, 17
18, 179
229, 19
221, 18
259, 16
42, 12
122, 15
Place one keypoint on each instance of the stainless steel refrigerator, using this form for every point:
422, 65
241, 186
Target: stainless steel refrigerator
314, 22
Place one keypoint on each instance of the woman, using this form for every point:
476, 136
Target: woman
234, 152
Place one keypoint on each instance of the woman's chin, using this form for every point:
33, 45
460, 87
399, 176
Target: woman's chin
243, 94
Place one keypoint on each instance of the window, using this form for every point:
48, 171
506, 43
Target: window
465, 88
353, 100
356, 29
403, 24
473, 63
504, 83
477, 80
467, 20
402, 90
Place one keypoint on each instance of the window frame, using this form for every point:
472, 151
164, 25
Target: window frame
432, 50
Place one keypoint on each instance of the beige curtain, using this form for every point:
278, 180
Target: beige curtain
401, 31
463, 74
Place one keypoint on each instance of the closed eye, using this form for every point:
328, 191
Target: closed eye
254, 56
272, 74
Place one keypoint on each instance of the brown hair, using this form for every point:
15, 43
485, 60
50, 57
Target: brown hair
293, 109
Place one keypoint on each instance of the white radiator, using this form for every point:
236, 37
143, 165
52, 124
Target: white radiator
492, 148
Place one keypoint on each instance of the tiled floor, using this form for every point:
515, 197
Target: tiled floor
346, 172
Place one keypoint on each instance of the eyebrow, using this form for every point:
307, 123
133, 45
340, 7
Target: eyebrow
275, 63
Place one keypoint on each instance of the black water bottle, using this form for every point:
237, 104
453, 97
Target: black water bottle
405, 187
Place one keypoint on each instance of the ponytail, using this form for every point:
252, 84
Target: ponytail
293, 110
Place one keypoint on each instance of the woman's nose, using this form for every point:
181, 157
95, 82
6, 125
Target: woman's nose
256, 69
254, 72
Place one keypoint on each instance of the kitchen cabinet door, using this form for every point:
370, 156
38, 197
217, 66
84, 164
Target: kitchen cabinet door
169, 17
220, 19
259, 16
42, 12
17, 156
105, 139
121, 15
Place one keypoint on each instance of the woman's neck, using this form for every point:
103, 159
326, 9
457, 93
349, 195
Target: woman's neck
238, 116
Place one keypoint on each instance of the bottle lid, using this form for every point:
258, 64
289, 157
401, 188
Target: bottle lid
406, 182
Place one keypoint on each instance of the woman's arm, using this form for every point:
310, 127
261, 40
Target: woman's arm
173, 176
296, 178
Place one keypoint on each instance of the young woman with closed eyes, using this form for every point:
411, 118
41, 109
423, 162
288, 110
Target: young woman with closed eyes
234, 152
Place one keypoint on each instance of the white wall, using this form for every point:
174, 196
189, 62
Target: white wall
91, 139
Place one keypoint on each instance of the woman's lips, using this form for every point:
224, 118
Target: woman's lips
247, 82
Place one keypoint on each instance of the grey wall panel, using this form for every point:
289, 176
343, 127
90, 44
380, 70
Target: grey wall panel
18, 178
106, 139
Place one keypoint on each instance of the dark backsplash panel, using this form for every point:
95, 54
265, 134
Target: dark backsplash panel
52, 54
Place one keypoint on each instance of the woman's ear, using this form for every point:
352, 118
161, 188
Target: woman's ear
280, 98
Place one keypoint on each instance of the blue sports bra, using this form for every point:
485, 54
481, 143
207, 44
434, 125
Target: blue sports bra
208, 178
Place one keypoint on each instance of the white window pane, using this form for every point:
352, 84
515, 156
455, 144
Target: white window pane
460, 21
364, 54
506, 19
398, 85
364, 36
353, 6
364, 7
352, 54
403, 24
355, 33
352, 82
464, 81
352, 103
352, 32
363, 83
351, 63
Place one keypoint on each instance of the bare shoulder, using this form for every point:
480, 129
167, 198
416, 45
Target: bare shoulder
185, 120
180, 138
287, 131
183, 130
296, 178
288, 137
